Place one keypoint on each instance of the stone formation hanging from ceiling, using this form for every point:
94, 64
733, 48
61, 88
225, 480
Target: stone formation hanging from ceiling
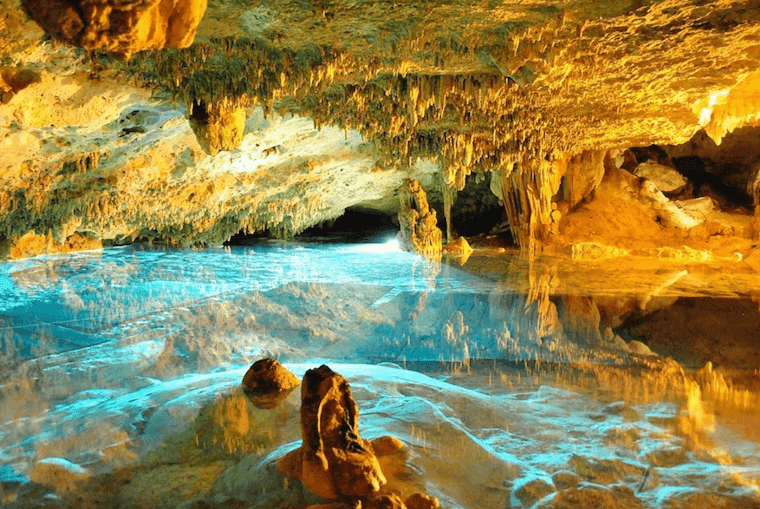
186, 123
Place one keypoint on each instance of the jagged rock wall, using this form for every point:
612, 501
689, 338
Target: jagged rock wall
123, 27
145, 175
524, 92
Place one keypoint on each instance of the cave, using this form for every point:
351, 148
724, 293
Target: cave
334, 254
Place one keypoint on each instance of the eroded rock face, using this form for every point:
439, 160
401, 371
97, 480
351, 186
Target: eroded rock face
419, 232
217, 125
267, 383
524, 101
14, 80
121, 27
334, 461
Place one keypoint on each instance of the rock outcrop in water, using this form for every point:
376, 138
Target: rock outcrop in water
419, 232
267, 383
334, 462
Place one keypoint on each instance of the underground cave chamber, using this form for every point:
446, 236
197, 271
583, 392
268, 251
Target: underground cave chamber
524, 233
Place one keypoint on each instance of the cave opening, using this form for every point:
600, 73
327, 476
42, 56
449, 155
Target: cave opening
355, 225
476, 210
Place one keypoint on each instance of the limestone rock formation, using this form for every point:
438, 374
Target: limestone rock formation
267, 383
665, 178
582, 176
419, 230
119, 27
459, 249
534, 95
217, 125
334, 461
14, 80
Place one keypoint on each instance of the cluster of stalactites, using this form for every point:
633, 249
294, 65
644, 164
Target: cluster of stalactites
468, 122
239, 70
217, 125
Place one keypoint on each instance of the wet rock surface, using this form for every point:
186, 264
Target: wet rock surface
267, 383
334, 460
162, 400
419, 232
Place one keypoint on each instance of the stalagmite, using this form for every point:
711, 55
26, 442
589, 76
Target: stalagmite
419, 230
449, 194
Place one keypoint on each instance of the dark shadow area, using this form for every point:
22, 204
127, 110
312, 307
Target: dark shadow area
357, 224
695, 330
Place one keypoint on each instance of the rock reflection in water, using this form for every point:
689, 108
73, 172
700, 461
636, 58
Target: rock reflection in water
121, 378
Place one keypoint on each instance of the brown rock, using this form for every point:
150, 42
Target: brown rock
267, 383
565, 479
13, 80
532, 491
419, 232
583, 175
422, 501
590, 497
391, 501
706, 500
124, 27
605, 471
217, 125
386, 445
335, 462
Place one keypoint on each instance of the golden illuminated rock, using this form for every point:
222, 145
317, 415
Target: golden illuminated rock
535, 95
267, 383
459, 249
218, 126
334, 461
419, 232
120, 27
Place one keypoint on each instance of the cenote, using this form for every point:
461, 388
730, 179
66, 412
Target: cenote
510, 381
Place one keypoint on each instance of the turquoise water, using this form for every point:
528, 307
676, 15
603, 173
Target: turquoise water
109, 355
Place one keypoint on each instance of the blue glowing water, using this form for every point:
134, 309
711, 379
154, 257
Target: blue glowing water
108, 354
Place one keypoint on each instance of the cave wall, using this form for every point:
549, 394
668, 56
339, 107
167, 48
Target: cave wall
241, 129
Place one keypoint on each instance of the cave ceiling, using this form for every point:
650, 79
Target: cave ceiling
280, 115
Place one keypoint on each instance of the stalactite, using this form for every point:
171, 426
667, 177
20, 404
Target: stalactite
527, 194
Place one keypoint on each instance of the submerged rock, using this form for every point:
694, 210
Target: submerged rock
533, 490
59, 474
